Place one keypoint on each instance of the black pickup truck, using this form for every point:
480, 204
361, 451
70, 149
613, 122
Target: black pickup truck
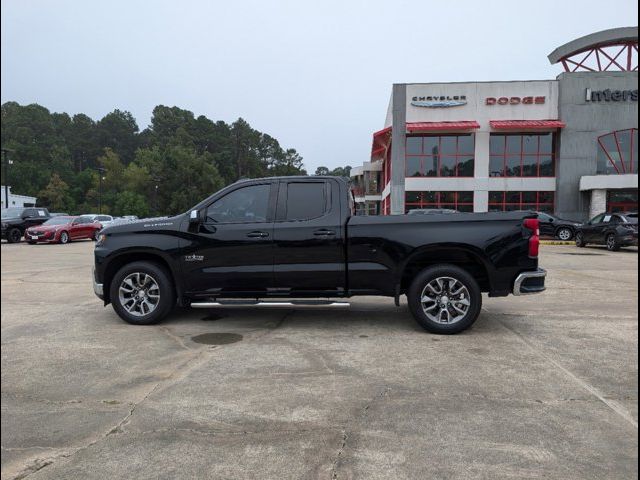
15, 220
269, 241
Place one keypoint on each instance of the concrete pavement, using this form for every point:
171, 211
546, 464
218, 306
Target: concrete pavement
541, 387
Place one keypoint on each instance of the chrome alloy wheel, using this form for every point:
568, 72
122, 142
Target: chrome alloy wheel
611, 242
564, 234
139, 294
445, 300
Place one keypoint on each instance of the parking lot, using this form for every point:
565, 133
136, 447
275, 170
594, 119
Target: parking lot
541, 387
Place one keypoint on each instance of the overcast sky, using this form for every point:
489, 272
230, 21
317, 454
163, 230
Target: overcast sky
315, 75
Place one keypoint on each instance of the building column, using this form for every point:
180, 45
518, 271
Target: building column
481, 172
399, 115
598, 202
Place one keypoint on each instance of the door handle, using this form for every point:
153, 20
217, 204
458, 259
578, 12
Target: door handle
324, 233
257, 234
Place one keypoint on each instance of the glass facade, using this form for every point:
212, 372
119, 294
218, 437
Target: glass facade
522, 155
510, 201
622, 200
440, 156
618, 152
461, 201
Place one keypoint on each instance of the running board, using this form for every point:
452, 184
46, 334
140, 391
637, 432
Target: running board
292, 304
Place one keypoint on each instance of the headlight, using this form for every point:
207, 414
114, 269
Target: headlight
101, 239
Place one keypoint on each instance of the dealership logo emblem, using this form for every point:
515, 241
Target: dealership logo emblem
609, 95
443, 101
193, 258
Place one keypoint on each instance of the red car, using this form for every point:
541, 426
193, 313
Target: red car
63, 229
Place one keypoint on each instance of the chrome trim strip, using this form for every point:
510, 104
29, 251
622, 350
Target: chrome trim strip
97, 287
270, 304
517, 286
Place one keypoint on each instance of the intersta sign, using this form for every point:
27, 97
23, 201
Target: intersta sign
515, 100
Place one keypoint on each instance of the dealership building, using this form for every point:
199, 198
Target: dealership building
567, 146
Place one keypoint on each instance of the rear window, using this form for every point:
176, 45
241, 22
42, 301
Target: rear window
631, 218
306, 200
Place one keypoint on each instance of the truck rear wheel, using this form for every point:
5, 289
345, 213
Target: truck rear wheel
445, 299
14, 235
142, 293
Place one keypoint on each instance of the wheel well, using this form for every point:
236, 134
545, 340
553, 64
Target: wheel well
118, 262
460, 258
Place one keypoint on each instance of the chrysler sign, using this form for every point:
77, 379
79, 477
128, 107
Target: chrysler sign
439, 101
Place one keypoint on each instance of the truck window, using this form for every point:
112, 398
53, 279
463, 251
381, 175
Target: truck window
244, 205
306, 200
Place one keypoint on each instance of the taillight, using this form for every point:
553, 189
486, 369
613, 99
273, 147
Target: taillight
534, 241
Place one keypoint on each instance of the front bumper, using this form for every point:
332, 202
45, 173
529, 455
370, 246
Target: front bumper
529, 283
98, 288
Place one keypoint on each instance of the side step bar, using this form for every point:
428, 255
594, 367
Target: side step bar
267, 304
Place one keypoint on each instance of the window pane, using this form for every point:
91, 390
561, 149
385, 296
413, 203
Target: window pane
451, 206
247, 204
513, 166
465, 167
530, 143
414, 145
514, 143
546, 143
546, 197
496, 207
431, 145
496, 166
545, 208
466, 144
412, 197
529, 197
430, 197
431, 166
624, 144
496, 197
513, 197
447, 197
605, 167
496, 144
465, 208
530, 166
447, 166
609, 144
413, 166
635, 151
529, 206
547, 166
305, 200
448, 145
465, 197
512, 207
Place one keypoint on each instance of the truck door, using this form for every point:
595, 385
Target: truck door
309, 238
231, 253
592, 231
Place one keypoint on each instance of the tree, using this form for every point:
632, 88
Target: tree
56, 194
118, 131
131, 203
322, 171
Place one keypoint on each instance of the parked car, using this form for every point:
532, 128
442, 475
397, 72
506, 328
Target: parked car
15, 220
551, 226
58, 214
298, 237
615, 230
63, 230
104, 220
429, 211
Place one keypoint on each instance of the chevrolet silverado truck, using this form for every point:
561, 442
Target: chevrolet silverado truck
295, 241
16, 220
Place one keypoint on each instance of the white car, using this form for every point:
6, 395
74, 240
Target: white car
104, 220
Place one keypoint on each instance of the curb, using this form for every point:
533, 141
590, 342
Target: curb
556, 242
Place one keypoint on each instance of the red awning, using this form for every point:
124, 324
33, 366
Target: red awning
381, 141
438, 126
526, 124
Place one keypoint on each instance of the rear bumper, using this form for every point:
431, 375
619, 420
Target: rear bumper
97, 287
528, 283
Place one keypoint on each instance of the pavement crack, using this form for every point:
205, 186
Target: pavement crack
336, 461
612, 404
175, 338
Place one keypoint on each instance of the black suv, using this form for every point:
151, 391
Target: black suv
615, 230
16, 220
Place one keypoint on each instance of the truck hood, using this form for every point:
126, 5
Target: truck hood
144, 225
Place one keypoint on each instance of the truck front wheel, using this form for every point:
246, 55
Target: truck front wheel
445, 299
142, 293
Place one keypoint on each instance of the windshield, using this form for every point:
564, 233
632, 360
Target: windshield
12, 212
58, 221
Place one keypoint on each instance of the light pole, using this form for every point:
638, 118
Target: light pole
101, 171
156, 179
7, 162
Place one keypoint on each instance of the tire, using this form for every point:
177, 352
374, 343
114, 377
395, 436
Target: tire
431, 283
64, 237
149, 278
612, 243
14, 235
580, 243
565, 234
96, 234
